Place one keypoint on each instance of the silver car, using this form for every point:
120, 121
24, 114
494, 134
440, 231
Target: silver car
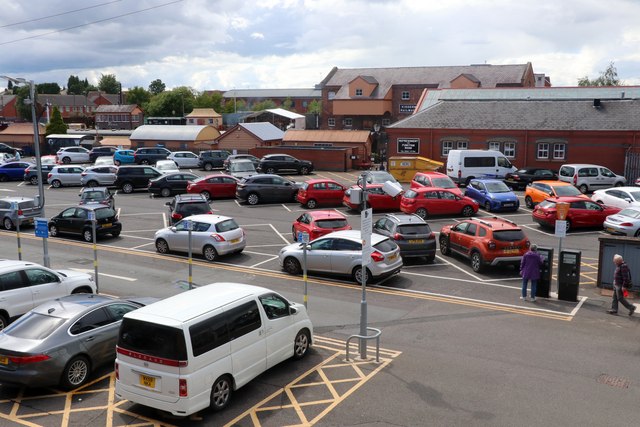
95, 176
241, 168
184, 159
74, 154
65, 175
211, 236
340, 253
18, 210
624, 223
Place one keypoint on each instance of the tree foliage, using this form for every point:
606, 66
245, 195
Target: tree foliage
608, 77
175, 103
287, 104
109, 84
138, 95
56, 124
49, 88
75, 86
156, 87
23, 108
314, 107
263, 105
233, 106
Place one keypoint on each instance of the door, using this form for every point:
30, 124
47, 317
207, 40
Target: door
248, 343
345, 256
179, 240
280, 332
228, 186
335, 192
44, 285
64, 221
15, 295
456, 236
319, 255
579, 214
449, 202
189, 160
97, 335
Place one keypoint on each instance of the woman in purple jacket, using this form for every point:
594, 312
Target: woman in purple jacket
530, 270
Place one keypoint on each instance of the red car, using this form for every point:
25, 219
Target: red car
316, 192
434, 179
377, 199
436, 201
582, 213
319, 223
214, 186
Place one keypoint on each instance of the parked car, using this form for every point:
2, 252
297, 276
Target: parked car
620, 197
264, 188
487, 241
320, 192
32, 174
75, 154
211, 235
94, 176
590, 177
75, 220
48, 160
61, 341
434, 179
64, 175
167, 166
14, 171
100, 195
411, 233
184, 159
377, 199
253, 159
539, 191
214, 186
184, 205
104, 161
171, 183
8, 149
131, 177
241, 168
340, 253
624, 223
519, 179
464, 165
492, 194
212, 159
582, 213
150, 155
18, 210
275, 163
377, 177
428, 201
123, 157
96, 152
26, 285
318, 223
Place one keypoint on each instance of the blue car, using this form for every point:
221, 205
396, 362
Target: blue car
123, 157
13, 171
492, 194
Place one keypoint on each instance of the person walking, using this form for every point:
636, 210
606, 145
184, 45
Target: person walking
530, 271
621, 278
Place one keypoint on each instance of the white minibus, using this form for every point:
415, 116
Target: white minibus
464, 165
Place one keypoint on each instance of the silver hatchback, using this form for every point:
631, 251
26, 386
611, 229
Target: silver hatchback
95, 176
340, 253
211, 236
65, 175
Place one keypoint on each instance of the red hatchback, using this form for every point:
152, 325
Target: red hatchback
582, 213
434, 179
436, 201
319, 223
316, 192
214, 186
377, 199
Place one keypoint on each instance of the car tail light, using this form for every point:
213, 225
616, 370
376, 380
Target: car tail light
116, 369
176, 216
183, 387
491, 244
516, 177
49, 175
626, 224
19, 211
377, 256
398, 236
575, 179
408, 201
527, 244
27, 170
431, 236
217, 237
83, 174
24, 360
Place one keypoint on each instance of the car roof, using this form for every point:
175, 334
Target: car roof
495, 222
552, 182
17, 199
355, 235
405, 218
425, 189
317, 180
213, 175
325, 214
567, 199
430, 173
11, 263
69, 306
628, 188
87, 189
487, 180
209, 218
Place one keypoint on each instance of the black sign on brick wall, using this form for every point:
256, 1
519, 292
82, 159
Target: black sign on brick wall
409, 145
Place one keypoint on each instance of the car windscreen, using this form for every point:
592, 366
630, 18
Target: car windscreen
104, 213
385, 245
635, 195
443, 182
226, 225
242, 167
566, 190
187, 209
632, 213
380, 178
34, 326
497, 187
508, 235
414, 229
152, 339
331, 223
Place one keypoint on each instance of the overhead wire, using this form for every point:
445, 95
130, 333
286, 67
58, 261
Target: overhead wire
58, 14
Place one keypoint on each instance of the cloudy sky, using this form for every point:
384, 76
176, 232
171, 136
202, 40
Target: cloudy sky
226, 44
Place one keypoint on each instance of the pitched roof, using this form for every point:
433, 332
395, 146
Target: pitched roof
354, 136
263, 130
125, 108
174, 133
203, 112
273, 93
21, 129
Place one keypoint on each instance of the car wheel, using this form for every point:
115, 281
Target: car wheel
206, 195
467, 211
3, 321
165, 192
145, 162
66, 160
487, 206
210, 253
162, 246
127, 188
76, 373
56, 184
7, 224
476, 261
115, 234
92, 183
618, 184
3, 178
304, 170
270, 171
568, 225
528, 202
311, 204
253, 199
301, 344
33, 180
53, 230
116, 162
292, 266
357, 275
637, 233
87, 235
444, 245
221, 393
583, 188
422, 213
431, 259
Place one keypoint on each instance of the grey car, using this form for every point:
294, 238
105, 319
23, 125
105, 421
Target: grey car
340, 253
61, 341
410, 232
95, 176
241, 168
18, 210
65, 175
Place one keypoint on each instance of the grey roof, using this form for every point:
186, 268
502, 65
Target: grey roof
440, 77
578, 115
263, 130
167, 132
273, 93
125, 108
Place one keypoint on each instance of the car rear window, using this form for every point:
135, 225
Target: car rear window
331, 223
105, 213
34, 326
547, 204
443, 182
152, 339
304, 185
187, 209
632, 213
26, 204
566, 190
226, 225
509, 235
385, 246
414, 229
410, 194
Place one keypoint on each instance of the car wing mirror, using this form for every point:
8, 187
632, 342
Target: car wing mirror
173, 229
293, 310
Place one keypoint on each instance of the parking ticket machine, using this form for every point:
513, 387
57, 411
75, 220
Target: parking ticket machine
568, 275
546, 272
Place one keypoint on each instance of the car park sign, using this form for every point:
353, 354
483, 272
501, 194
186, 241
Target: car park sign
366, 227
42, 229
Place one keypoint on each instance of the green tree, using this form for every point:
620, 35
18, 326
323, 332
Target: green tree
175, 103
138, 95
109, 84
10, 85
314, 107
23, 108
75, 86
156, 87
608, 77
287, 104
263, 105
233, 106
56, 124
50, 88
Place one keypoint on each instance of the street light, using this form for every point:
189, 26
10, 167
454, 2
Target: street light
36, 150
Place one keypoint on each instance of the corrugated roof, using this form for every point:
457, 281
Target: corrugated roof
170, 132
263, 130
273, 93
352, 136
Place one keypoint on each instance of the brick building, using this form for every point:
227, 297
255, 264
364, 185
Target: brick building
125, 116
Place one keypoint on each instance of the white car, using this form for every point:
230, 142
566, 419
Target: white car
104, 161
624, 223
65, 175
184, 159
74, 154
167, 166
620, 197
27, 285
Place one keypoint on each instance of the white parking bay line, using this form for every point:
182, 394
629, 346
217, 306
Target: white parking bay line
137, 237
89, 271
279, 234
8, 190
262, 262
285, 206
142, 245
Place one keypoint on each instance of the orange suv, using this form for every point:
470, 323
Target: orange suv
486, 241
539, 191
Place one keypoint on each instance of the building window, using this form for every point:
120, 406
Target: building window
331, 122
559, 151
322, 144
509, 149
446, 147
405, 95
347, 122
331, 95
358, 92
543, 151
190, 121
494, 146
386, 122
305, 104
462, 145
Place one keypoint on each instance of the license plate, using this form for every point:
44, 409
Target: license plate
147, 381
106, 225
4, 360
508, 205
234, 240
416, 241
610, 230
510, 251
392, 257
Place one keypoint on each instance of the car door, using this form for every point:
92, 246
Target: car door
334, 193
302, 224
248, 343
466, 239
75, 175
449, 202
64, 221
282, 189
607, 178
279, 328
44, 285
228, 186
456, 236
474, 190
97, 335
189, 160
319, 255
176, 183
78, 220
578, 213
595, 214
179, 238
345, 255
377, 198
15, 295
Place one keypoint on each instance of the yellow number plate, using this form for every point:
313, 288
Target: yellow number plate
511, 251
4, 360
106, 225
416, 241
147, 381
392, 257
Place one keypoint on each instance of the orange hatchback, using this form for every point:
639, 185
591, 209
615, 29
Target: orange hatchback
539, 191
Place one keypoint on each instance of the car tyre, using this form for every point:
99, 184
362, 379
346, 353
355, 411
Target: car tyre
292, 266
637, 233
3, 321
33, 180
301, 344
208, 166
476, 261
583, 188
221, 393
618, 184
165, 192
7, 224
444, 245
270, 170
304, 170
568, 225
206, 195
53, 230
116, 162
92, 183
312, 204
66, 160
295, 235
467, 211
253, 199
116, 234
210, 253
162, 246
422, 213
3, 178
528, 202
487, 206
76, 373
127, 188
87, 235
56, 183
357, 275
144, 162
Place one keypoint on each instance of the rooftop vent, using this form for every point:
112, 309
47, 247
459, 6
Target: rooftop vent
596, 103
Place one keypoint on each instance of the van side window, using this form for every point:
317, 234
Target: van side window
503, 162
243, 319
274, 306
209, 334
479, 162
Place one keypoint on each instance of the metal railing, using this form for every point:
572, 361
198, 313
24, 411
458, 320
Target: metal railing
375, 336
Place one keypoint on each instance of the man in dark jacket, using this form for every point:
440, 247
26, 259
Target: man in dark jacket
621, 278
530, 271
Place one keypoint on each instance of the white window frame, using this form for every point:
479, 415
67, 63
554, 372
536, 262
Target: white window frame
509, 150
494, 145
331, 122
542, 150
446, 147
559, 151
406, 95
462, 145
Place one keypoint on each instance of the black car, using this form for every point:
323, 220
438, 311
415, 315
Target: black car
31, 173
4, 148
171, 183
184, 205
100, 152
77, 220
100, 195
274, 163
212, 159
410, 232
150, 155
130, 177
519, 179
266, 188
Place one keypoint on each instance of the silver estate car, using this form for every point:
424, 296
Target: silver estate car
340, 253
211, 236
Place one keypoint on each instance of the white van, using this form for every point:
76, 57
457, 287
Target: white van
589, 177
191, 351
464, 165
